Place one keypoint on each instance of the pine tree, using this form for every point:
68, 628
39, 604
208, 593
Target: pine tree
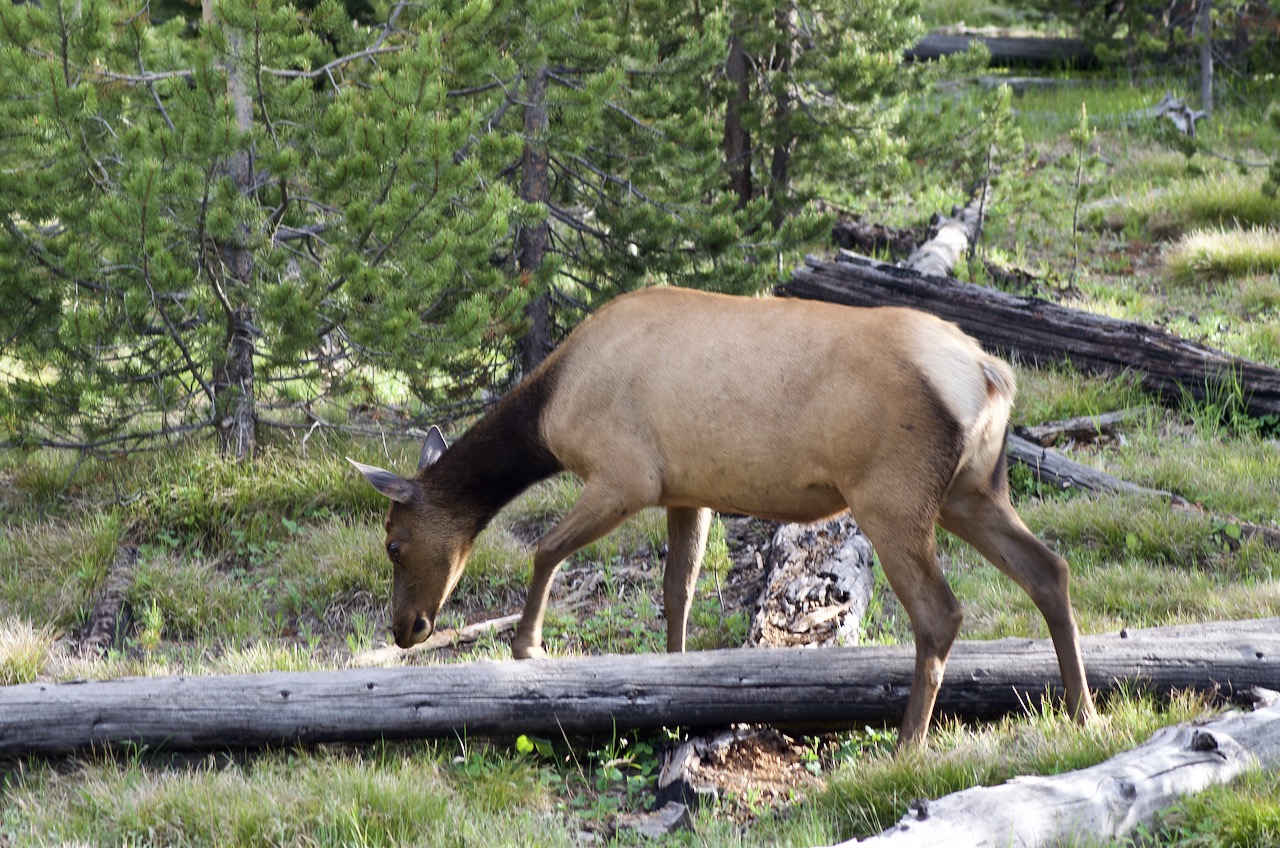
276, 200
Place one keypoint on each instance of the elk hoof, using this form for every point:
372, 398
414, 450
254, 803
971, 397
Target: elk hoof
528, 652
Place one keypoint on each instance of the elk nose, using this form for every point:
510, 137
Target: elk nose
408, 637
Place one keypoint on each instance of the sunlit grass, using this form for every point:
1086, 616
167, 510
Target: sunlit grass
1218, 200
378, 796
25, 651
1205, 257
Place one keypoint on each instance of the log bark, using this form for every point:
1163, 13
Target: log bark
112, 616
1040, 332
846, 687
819, 586
1007, 51
1098, 804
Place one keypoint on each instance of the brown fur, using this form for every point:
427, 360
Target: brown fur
788, 410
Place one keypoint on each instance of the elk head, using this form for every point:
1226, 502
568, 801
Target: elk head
427, 543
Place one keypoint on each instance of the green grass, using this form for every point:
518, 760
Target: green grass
1245, 814
870, 794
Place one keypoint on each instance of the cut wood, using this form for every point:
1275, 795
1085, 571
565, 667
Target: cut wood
818, 586
1039, 332
1098, 804
1008, 51
839, 687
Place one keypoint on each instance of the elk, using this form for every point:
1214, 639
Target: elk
784, 409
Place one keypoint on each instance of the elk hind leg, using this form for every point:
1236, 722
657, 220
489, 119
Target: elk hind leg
984, 518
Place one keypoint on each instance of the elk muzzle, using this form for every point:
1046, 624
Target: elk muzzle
411, 630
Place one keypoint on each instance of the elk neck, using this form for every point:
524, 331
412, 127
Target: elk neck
500, 456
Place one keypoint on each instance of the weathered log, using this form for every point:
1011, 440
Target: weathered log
950, 236
112, 616
1008, 51
818, 587
1098, 804
852, 233
1054, 469
839, 687
1085, 428
1039, 332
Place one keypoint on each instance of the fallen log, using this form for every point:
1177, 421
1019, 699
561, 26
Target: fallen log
112, 616
950, 236
852, 233
1054, 469
1098, 804
841, 687
1084, 428
1043, 333
1008, 51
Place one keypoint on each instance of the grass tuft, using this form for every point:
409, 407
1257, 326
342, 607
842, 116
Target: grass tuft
1215, 201
1206, 257
25, 651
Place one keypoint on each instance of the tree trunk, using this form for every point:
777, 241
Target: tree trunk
1204, 31
1039, 332
737, 142
1009, 52
845, 687
1095, 805
782, 131
235, 407
533, 239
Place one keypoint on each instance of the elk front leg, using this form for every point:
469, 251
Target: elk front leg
600, 508
686, 543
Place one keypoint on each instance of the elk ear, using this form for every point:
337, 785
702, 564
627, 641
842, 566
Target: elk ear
432, 449
393, 486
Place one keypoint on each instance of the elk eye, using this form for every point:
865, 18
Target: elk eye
393, 550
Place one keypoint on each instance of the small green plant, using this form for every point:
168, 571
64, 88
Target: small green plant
152, 630
1081, 139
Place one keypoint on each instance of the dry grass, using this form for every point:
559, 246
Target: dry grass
25, 651
1207, 257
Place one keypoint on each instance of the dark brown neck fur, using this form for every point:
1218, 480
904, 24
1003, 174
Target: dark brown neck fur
500, 456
